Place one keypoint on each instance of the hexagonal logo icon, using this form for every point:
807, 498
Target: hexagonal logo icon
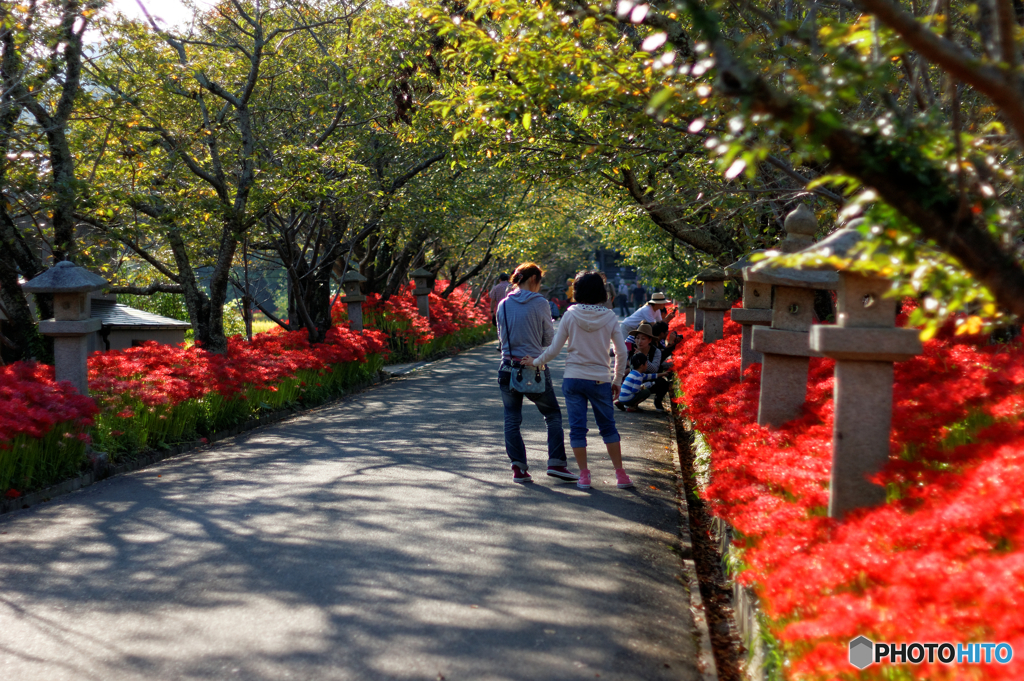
862, 652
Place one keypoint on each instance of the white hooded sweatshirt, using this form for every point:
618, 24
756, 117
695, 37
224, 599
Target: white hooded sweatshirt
590, 330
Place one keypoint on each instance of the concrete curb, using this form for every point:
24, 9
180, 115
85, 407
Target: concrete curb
705, 654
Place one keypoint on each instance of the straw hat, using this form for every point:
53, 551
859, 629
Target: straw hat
658, 299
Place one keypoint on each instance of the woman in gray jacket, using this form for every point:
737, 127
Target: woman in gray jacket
524, 328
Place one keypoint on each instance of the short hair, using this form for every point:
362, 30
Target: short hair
639, 359
527, 271
503, 276
588, 288
659, 328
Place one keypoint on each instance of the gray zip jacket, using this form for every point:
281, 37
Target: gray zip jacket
524, 323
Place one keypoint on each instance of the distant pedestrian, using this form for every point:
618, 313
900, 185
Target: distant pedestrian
498, 294
589, 328
623, 299
524, 328
639, 295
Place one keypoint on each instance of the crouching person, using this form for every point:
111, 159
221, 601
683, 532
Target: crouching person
637, 386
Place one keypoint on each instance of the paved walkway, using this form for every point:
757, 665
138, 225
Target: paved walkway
376, 538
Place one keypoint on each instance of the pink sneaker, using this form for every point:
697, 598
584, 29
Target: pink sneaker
584, 480
621, 479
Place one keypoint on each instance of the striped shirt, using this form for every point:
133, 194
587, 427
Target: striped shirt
633, 382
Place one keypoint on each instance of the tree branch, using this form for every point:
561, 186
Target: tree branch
146, 290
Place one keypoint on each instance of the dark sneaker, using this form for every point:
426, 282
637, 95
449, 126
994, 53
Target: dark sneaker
620, 405
562, 473
659, 407
519, 475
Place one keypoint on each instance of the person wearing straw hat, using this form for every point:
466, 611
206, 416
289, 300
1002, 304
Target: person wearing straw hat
650, 313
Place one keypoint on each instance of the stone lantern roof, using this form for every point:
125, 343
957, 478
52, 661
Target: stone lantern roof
713, 273
353, 275
65, 277
417, 273
841, 244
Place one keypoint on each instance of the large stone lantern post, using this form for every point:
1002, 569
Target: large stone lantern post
424, 287
352, 283
756, 310
713, 303
71, 326
864, 342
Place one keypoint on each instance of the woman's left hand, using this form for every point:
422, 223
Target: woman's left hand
527, 361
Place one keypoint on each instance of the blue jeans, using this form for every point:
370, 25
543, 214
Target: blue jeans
578, 392
547, 403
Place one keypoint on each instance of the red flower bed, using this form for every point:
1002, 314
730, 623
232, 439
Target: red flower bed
32, 403
942, 561
154, 394
43, 427
167, 375
411, 334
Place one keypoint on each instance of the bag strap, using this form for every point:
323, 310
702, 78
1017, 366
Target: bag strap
508, 340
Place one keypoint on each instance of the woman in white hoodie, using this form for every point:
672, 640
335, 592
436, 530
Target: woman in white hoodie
590, 329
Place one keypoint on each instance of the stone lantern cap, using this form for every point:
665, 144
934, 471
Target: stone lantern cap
65, 277
353, 275
800, 226
712, 274
735, 270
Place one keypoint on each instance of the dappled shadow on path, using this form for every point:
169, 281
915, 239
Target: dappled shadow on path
375, 539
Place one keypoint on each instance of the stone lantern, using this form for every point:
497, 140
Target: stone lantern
864, 342
698, 313
713, 303
352, 283
688, 307
756, 310
72, 323
785, 345
424, 287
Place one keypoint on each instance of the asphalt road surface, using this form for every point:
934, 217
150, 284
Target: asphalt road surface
379, 537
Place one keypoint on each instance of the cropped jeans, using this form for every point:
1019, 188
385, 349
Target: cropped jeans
578, 393
547, 404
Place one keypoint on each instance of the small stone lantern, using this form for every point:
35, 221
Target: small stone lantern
756, 310
785, 345
688, 306
424, 287
713, 302
352, 283
72, 323
864, 342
